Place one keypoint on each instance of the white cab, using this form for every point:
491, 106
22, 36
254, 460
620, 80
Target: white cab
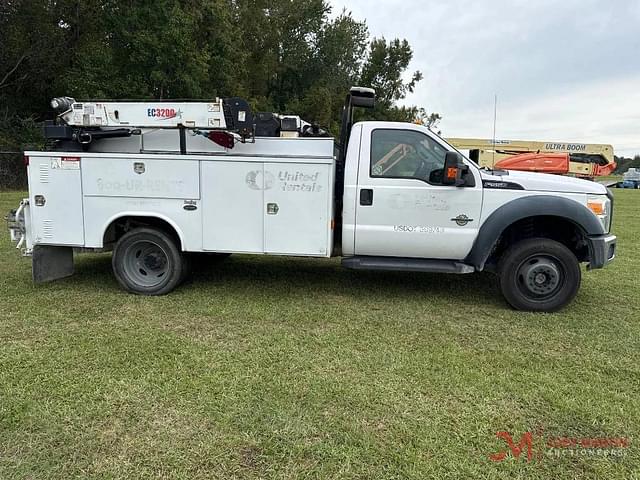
410, 214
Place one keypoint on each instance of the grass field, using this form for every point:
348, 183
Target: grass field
281, 368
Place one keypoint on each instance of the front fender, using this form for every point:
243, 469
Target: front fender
531, 206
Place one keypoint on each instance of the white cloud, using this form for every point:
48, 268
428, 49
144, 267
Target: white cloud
562, 70
602, 112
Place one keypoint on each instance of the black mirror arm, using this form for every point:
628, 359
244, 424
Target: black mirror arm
466, 177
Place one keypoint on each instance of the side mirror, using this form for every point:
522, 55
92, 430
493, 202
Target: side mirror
362, 97
454, 168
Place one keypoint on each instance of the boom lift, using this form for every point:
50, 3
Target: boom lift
578, 159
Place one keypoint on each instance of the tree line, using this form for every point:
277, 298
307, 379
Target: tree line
288, 56
624, 163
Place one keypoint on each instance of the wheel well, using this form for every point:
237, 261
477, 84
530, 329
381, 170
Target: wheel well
122, 225
559, 229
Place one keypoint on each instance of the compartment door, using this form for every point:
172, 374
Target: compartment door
141, 177
232, 198
55, 199
297, 209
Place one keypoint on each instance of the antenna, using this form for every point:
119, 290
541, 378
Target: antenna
495, 116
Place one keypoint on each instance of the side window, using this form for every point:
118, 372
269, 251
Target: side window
406, 154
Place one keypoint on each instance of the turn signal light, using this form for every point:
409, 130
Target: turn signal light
596, 206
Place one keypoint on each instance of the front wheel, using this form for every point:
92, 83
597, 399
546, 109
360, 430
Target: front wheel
147, 261
539, 275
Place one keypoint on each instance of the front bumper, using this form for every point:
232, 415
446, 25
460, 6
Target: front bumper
602, 249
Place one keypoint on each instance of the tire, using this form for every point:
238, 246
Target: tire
215, 258
187, 267
539, 275
202, 262
147, 261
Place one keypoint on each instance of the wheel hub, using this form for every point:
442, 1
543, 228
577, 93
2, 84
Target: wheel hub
153, 261
146, 263
541, 276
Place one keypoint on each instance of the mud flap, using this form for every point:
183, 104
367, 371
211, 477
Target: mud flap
51, 263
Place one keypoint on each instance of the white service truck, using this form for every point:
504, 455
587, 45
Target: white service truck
154, 181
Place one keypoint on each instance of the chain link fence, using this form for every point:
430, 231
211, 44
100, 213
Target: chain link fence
13, 174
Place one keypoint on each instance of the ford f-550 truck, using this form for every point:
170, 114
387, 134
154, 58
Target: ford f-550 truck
154, 181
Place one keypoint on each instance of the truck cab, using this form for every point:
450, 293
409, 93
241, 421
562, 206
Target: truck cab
394, 196
402, 212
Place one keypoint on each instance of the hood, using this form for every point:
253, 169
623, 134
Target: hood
544, 182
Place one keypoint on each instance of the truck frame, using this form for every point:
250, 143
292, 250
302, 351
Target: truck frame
385, 196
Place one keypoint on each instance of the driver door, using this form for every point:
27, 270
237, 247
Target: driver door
402, 207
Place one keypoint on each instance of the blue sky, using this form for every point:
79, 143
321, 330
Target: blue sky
564, 70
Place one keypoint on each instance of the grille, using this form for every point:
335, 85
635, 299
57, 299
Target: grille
47, 229
44, 173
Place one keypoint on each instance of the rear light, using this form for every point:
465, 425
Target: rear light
26, 160
224, 139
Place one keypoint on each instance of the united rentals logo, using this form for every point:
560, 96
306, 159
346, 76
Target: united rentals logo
164, 113
258, 180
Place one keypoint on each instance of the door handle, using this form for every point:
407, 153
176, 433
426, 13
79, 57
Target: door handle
272, 208
366, 197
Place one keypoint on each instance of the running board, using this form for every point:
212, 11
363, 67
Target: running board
406, 264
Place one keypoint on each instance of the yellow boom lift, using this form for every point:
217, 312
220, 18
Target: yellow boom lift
566, 158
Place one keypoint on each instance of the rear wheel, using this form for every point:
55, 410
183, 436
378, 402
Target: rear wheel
539, 275
146, 261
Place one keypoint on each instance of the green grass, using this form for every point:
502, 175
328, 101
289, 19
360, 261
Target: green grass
609, 179
284, 368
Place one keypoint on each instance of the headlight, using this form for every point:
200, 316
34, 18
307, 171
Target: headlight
600, 205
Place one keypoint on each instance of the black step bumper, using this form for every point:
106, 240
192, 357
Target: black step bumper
602, 250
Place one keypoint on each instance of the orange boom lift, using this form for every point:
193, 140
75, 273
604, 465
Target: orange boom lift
564, 158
